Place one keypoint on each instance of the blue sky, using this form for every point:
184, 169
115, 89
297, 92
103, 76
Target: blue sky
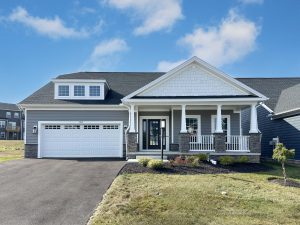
244, 38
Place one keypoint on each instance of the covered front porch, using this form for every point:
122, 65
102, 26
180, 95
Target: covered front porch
214, 128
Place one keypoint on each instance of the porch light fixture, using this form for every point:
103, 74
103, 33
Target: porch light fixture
34, 129
163, 124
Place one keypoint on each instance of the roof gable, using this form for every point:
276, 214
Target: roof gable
194, 78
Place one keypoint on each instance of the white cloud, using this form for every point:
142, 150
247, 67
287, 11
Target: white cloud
155, 15
252, 1
53, 28
106, 54
165, 66
230, 41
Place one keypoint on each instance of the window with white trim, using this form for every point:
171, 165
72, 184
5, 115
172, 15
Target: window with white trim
79, 90
91, 127
94, 90
225, 124
72, 127
8, 114
63, 90
110, 127
193, 124
2, 135
16, 115
52, 127
2, 123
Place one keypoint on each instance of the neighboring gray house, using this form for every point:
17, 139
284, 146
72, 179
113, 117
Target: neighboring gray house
11, 122
280, 116
194, 108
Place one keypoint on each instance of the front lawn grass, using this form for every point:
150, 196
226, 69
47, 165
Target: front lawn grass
237, 198
10, 150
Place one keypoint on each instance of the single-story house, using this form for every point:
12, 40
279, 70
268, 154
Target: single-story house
279, 116
194, 108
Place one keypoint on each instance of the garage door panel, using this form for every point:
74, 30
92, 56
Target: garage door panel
85, 140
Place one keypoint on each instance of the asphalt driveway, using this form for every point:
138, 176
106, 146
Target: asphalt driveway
47, 191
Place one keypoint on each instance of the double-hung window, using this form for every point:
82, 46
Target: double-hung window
225, 124
94, 90
16, 115
2, 123
63, 90
79, 90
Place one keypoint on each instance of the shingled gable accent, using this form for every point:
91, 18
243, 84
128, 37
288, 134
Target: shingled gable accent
194, 78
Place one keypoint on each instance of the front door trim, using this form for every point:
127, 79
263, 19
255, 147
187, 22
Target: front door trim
141, 133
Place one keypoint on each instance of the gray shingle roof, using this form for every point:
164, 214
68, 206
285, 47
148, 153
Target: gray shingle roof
121, 84
9, 106
289, 99
271, 87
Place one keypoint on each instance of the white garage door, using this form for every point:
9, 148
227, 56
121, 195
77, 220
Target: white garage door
81, 140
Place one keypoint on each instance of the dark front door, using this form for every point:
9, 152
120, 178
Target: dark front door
152, 134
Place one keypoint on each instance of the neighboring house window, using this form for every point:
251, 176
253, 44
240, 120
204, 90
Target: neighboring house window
63, 90
16, 115
2, 135
8, 114
2, 123
79, 90
94, 90
225, 124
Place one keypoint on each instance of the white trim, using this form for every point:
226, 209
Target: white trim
141, 133
40, 123
213, 117
195, 101
74, 107
25, 130
172, 124
205, 66
266, 107
288, 111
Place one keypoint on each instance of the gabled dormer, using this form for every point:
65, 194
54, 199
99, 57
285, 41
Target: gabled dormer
80, 89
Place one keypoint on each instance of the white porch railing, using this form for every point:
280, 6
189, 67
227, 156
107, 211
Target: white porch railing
237, 143
202, 143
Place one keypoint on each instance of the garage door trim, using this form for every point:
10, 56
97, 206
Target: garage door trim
40, 123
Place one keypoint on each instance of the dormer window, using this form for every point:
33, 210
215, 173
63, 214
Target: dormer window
94, 90
79, 90
63, 90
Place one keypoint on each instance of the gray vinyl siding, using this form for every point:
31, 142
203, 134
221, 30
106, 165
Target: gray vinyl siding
287, 129
206, 121
68, 115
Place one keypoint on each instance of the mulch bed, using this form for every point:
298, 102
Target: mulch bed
280, 181
204, 168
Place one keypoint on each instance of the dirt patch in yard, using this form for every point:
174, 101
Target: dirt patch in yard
280, 181
204, 168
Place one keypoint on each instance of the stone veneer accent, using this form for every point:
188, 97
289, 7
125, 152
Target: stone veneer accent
132, 145
31, 151
254, 143
184, 142
220, 142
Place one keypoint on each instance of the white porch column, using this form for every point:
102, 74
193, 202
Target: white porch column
253, 121
219, 120
183, 121
132, 121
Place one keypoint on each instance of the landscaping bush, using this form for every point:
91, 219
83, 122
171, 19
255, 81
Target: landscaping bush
242, 159
202, 157
144, 161
190, 159
155, 164
180, 160
196, 162
226, 160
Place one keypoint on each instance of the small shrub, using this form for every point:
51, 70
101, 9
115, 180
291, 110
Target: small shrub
202, 157
180, 160
155, 164
226, 160
242, 159
144, 161
196, 162
172, 162
190, 159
